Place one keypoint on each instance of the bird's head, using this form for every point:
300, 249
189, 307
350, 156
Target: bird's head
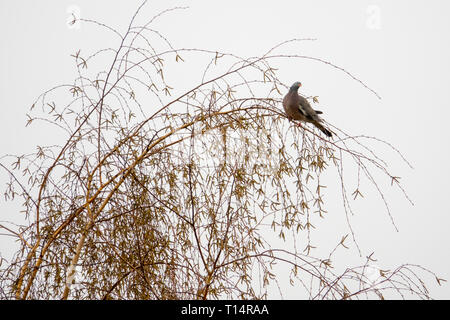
295, 86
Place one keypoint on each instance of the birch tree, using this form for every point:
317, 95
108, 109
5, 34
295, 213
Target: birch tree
164, 191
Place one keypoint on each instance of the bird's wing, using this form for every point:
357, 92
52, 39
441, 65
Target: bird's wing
306, 110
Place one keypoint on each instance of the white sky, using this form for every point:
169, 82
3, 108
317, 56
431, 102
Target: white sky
401, 49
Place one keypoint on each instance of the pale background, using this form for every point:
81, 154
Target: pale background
401, 49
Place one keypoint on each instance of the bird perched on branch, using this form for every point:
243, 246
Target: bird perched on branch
298, 108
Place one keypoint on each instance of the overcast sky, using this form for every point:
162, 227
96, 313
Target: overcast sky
401, 49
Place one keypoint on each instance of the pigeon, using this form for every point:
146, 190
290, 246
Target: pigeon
298, 108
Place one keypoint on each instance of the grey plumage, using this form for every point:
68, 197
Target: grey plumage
298, 108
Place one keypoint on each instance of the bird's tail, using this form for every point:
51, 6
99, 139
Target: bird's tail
323, 129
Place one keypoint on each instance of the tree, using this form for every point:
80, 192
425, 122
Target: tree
163, 192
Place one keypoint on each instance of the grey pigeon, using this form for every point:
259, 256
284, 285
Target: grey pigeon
298, 108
